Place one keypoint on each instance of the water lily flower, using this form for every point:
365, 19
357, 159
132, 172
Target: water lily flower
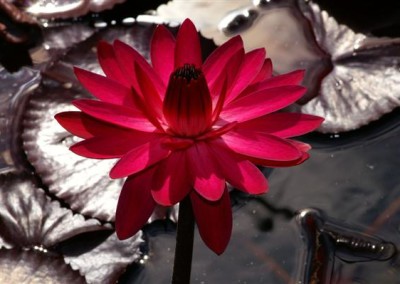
183, 127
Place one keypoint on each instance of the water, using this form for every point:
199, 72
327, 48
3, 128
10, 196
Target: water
333, 219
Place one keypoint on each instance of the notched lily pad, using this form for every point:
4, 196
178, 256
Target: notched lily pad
106, 262
30, 266
38, 231
57, 40
15, 89
29, 218
364, 83
81, 183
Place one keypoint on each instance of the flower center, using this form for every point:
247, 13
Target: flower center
187, 105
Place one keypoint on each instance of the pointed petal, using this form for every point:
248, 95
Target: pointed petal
109, 63
100, 148
111, 146
171, 183
103, 88
265, 72
73, 122
162, 52
251, 66
139, 159
150, 94
135, 205
291, 78
206, 178
187, 48
280, 164
239, 172
301, 146
261, 103
127, 57
260, 145
304, 147
214, 220
85, 126
283, 125
220, 101
227, 75
115, 114
216, 62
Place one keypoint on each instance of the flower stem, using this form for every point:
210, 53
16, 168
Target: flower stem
184, 243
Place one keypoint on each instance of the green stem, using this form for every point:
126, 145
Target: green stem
184, 243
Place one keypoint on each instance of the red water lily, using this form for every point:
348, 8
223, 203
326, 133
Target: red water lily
183, 127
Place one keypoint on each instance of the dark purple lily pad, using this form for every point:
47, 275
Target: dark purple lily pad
81, 183
28, 217
30, 221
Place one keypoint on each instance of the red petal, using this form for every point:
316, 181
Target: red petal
227, 77
151, 96
162, 52
109, 63
304, 147
216, 62
103, 88
220, 102
111, 146
187, 48
171, 181
214, 220
135, 205
260, 145
115, 114
265, 72
283, 125
251, 66
292, 78
72, 121
261, 103
85, 126
139, 159
280, 164
239, 172
206, 178
127, 57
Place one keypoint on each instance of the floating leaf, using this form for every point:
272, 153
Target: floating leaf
30, 266
81, 183
107, 261
29, 218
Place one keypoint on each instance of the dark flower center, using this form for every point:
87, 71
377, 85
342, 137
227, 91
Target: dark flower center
188, 71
